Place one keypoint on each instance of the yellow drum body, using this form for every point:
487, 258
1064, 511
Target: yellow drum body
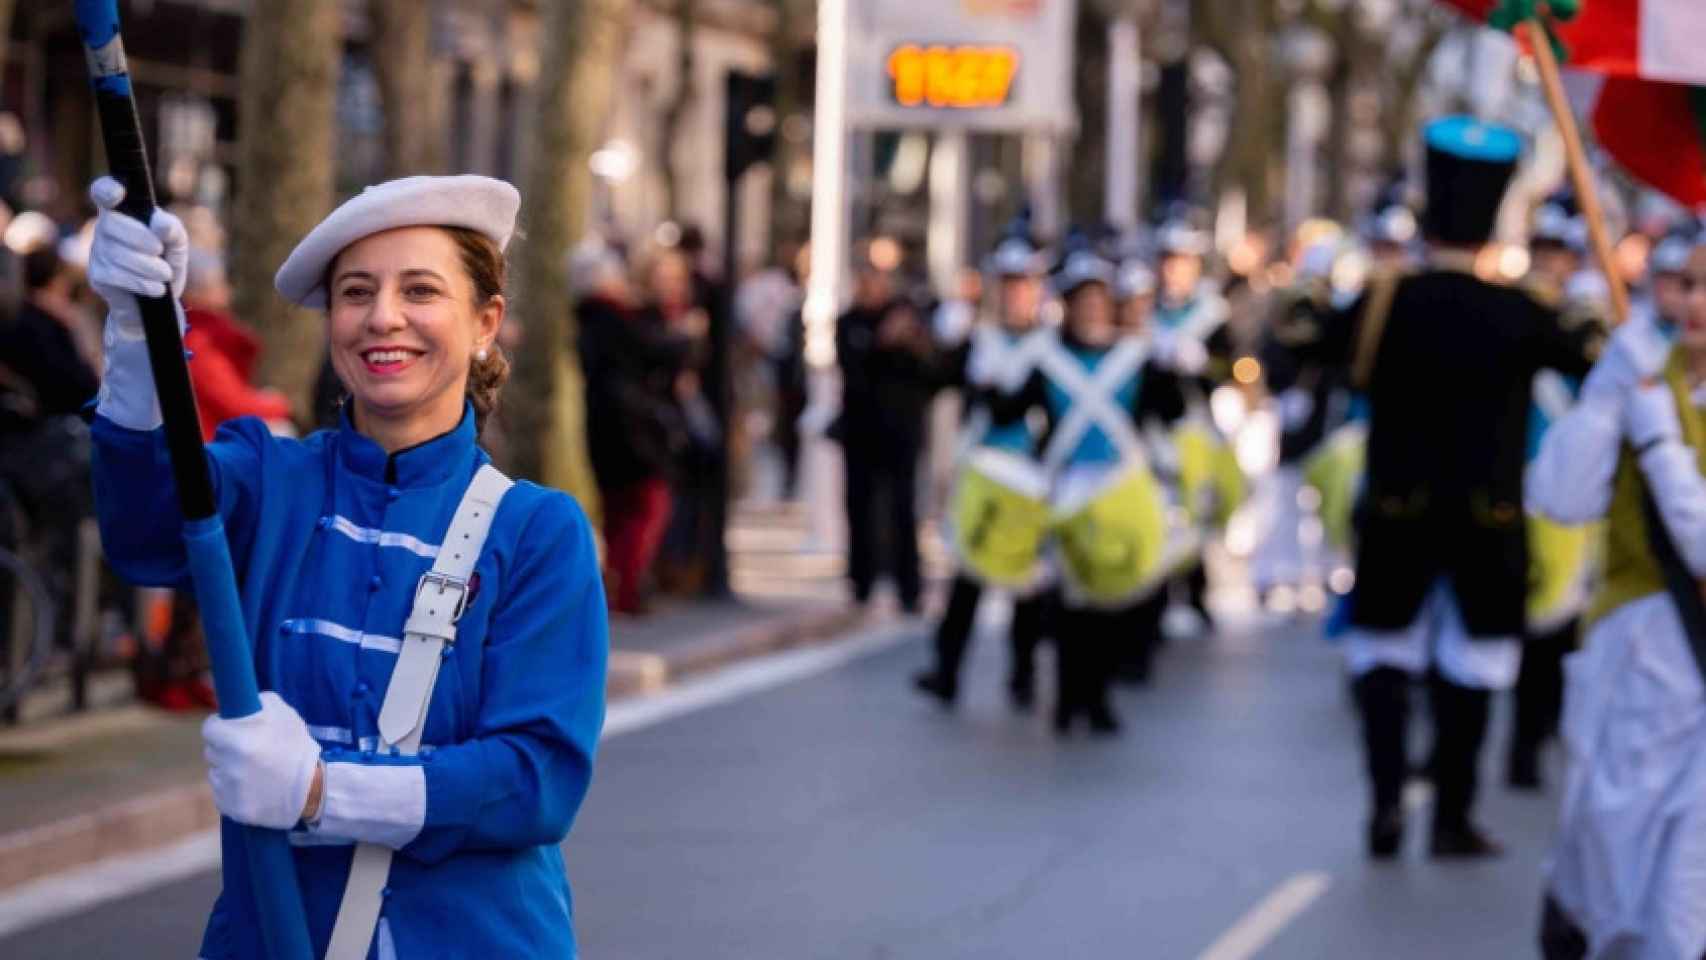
999, 517
1335, 471
1115, 534
1561, 563
1211, 484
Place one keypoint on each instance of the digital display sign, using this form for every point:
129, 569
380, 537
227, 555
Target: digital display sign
964, 77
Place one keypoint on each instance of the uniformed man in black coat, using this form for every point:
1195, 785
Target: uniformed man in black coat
1448, 362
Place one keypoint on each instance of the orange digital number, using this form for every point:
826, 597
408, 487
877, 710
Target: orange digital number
964, 77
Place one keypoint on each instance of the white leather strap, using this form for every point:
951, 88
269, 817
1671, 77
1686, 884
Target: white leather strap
440, 598
1093, 400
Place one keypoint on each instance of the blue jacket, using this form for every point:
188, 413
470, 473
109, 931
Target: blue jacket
328, 537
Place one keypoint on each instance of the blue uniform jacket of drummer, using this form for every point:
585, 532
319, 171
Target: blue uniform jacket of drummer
329, 536
1096, 448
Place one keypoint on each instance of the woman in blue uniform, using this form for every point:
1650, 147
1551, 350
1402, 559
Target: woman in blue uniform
452, 820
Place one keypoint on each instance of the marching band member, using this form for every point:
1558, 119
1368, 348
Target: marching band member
998, 508
1191, 336
1110, 514
426, 784
1625, 878
1442, 555
1561, 555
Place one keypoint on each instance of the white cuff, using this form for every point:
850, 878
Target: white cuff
371, 803
127, 396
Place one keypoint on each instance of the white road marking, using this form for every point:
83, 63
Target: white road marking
753, 676
1258, 928
74, 891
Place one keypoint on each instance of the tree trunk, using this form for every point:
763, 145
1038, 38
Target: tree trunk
686, 89
787, 217
546, 403
1086, 187
413, 86
285, 153
6, 8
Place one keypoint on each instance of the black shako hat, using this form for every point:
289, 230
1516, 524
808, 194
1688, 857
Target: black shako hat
1470, 163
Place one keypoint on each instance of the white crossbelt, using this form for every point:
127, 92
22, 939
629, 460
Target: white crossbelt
440, 597
1093, 400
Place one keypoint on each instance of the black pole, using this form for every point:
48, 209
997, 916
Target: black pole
721, 386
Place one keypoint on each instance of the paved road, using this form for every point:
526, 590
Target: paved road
840, 816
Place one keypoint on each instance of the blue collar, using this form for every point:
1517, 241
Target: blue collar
425, 464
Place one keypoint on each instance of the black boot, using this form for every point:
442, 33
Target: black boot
1103, 721
1522, 768
1463, 841
952, 636
1383, 700
1022, 691
944, 689
1460, 726
1386, 833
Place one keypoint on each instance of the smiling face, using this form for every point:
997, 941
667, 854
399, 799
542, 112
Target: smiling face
403, 325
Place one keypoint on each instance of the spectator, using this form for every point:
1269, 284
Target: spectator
631, 370
45, 380
674, 308
888, 376
223, 352
767, 305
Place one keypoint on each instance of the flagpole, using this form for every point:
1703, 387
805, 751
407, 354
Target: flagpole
1577, 161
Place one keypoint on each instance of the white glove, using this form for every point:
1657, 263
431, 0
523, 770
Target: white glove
261, 766
1636, 352
1649, 416
128, 260
1181, 354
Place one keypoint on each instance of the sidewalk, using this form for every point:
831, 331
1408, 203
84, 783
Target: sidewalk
128, 778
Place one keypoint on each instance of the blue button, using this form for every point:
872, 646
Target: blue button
385, 891
361, 689
393, 493
374, 583
325, 523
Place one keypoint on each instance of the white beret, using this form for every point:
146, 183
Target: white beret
476, 203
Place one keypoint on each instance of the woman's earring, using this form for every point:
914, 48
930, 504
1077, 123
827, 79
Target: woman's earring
480, 354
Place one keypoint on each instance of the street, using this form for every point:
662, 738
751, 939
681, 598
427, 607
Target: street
838, 815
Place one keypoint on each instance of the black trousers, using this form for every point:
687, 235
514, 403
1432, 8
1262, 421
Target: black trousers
1088, 646
1140, 637
953, 635
1540, 689
882, 487
1460, 725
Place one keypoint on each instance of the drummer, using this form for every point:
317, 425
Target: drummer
1094, 386
995, 358
468, 760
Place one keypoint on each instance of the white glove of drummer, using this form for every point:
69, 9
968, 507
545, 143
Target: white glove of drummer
1649, 416
1181, 354
261, 766
1636, 352
128, 260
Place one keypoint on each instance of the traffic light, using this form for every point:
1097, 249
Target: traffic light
751, 122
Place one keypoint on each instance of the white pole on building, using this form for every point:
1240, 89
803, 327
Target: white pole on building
950, 209
829, 184
821, 473
1125, 91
